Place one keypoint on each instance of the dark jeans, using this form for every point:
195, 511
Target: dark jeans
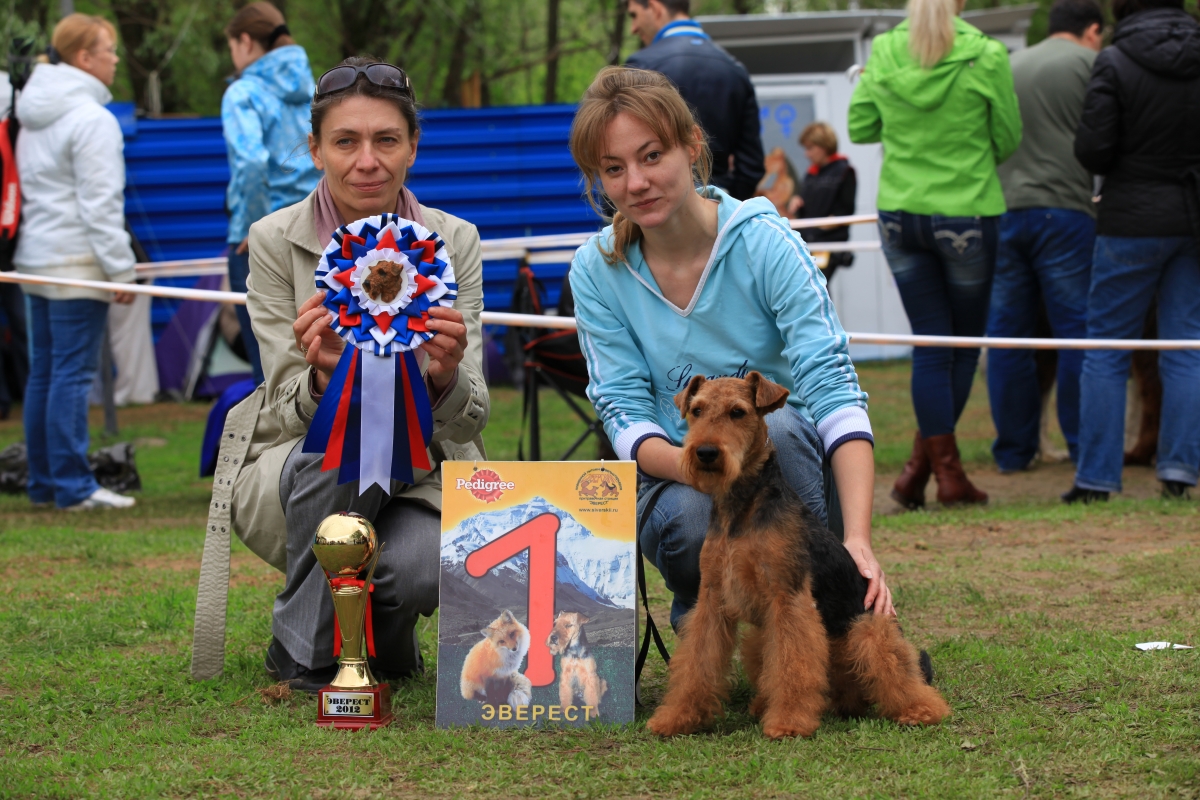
64, 339
239, 270
673, 535
943, 267
1128, 272
1045, 256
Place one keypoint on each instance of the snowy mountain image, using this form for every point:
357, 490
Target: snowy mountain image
600, 571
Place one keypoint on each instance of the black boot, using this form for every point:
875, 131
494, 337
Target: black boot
1085, 496
282, 667
1176, 490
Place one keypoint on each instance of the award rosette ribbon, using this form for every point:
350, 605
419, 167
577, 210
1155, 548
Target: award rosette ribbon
346, 544
380, 275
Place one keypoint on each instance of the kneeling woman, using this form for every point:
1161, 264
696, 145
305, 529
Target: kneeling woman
364, 136
688, 281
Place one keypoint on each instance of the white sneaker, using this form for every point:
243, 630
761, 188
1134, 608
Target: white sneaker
103, 498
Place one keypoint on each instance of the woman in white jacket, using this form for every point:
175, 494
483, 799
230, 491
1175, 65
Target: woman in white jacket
70, 156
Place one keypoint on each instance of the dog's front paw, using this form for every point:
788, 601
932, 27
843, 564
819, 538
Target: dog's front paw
669, 721
929, 712
521, 693
786, 727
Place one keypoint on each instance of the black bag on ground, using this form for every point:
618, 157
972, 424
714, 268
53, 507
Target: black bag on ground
114, 466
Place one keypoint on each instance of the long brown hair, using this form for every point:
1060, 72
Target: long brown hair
652, 100
263, 22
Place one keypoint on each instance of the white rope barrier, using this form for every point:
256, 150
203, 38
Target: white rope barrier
568, 323
551, 249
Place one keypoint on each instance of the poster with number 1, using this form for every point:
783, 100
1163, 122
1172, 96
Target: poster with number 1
537, 623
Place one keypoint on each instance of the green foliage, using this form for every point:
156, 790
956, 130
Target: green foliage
494, 51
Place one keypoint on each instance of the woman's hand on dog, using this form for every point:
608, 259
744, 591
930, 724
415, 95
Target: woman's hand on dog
879, 596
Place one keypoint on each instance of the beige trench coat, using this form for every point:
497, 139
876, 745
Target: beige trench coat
261, 431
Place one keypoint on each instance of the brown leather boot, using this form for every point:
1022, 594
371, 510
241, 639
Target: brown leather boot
954, 488
909, 489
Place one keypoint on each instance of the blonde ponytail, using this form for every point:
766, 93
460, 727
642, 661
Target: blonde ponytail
931, 29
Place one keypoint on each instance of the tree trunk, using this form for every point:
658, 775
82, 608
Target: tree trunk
617, 34
452, 88
551, 95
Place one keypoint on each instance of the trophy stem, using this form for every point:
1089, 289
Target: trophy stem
350, 605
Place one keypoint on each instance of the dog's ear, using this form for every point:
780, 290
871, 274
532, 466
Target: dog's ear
583, 620
768, 395
684, 398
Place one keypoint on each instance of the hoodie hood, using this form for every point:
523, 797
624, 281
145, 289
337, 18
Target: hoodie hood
55, 90
1165, 41
898, 72
285, 72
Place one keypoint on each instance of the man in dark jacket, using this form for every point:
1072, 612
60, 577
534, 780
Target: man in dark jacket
1139, 130
713, 82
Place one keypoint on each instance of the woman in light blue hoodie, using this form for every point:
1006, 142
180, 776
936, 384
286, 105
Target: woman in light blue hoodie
265, 113
691, 282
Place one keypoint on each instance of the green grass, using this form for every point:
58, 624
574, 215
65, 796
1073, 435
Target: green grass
1029, 609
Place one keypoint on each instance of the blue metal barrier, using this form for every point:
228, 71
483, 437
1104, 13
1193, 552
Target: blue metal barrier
506, 170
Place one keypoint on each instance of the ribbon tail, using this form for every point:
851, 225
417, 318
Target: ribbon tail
377, 435
322, 430
402, 465
416, 403
337, 637
352, 445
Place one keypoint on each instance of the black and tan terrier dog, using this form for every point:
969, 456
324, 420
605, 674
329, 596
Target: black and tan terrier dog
577, 669
768, 561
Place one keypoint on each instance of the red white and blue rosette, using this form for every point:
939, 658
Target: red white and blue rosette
380, 275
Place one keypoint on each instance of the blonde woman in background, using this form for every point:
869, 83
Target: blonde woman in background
939, 94
71, 158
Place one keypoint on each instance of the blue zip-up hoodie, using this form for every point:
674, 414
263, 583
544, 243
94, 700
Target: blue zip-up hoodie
265, 113
761, 305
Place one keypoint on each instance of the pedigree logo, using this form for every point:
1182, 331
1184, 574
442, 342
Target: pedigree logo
485, 485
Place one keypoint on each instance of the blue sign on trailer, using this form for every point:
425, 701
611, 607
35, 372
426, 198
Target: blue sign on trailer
507, 170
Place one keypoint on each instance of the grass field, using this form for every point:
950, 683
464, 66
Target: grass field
1029, 609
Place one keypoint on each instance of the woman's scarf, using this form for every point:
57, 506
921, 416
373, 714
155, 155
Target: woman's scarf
328, 219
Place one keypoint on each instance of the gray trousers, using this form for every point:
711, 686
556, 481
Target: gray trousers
406, 578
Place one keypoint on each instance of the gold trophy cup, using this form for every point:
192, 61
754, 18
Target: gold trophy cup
345, 545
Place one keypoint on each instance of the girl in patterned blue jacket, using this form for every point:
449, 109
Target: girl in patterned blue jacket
265, 114
688, 281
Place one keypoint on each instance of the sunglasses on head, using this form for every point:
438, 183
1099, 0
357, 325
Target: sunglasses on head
386, 76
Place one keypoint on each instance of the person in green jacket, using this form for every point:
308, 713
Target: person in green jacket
939, 94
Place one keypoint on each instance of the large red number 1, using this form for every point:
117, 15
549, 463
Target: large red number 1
540, 536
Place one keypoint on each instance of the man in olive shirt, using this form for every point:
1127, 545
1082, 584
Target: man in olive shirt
1046, 237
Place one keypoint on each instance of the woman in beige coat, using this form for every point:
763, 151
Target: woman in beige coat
364, 137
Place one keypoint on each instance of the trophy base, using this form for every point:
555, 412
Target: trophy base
352, 709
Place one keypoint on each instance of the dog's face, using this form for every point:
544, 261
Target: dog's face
386, 280
567, 626
726, 430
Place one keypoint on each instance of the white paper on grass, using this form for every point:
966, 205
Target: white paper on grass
1162, 646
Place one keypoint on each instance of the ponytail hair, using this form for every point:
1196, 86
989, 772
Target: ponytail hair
931, 29
263, 22
650, 98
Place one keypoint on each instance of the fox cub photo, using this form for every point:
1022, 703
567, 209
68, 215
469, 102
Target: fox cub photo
489, 673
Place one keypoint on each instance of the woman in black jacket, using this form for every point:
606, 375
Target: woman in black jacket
829, 190
1140, 130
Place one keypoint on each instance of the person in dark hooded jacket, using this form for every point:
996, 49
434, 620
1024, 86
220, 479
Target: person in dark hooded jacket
1140, 130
